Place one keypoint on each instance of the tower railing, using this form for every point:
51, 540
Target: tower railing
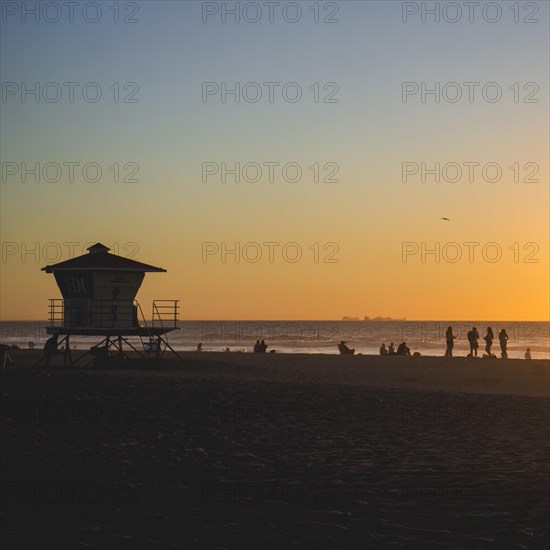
105, 314
92, 313
165, 313
56, 312
112, 314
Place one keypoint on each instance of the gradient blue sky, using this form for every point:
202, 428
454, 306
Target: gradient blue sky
369, 133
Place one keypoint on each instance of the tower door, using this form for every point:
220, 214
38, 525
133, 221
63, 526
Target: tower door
77, 313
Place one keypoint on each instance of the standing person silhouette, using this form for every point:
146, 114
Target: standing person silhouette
50, 349
489, 340
473, 337
450, 339
503, 339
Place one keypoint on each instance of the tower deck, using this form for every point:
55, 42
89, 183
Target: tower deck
95, 331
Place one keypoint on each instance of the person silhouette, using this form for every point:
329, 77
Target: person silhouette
263, 347
528, 354
383, 350
503, 339
199, 346
473, 337
50, 349
489, 340
344, 350
257, 347
450, 339
402, 349
391, 349
149, 346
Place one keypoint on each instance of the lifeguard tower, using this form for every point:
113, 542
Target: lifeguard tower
99, 290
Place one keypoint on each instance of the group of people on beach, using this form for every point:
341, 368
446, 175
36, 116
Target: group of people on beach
473, 337
259, 347
402, 349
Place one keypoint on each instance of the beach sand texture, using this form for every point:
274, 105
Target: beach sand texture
236, 450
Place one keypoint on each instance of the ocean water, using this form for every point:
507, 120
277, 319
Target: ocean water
426, 337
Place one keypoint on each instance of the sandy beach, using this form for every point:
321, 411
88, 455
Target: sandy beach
237, 450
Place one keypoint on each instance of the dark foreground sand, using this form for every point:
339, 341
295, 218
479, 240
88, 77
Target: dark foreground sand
246, 451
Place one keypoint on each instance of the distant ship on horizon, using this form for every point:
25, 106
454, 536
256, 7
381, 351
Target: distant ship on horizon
367, 318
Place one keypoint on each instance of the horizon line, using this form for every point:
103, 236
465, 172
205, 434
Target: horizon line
327, 320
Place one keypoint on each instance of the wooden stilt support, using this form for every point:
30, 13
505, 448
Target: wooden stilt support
167, 345
67, 355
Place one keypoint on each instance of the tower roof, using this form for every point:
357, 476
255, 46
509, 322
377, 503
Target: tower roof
100, 259
98, 247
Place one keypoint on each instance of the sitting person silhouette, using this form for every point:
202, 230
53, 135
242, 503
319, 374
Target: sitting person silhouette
402, 349
263, 347
344, 350
528, 354
149, 346
383, 350
257, 347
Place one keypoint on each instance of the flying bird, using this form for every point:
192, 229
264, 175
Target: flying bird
446, 219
